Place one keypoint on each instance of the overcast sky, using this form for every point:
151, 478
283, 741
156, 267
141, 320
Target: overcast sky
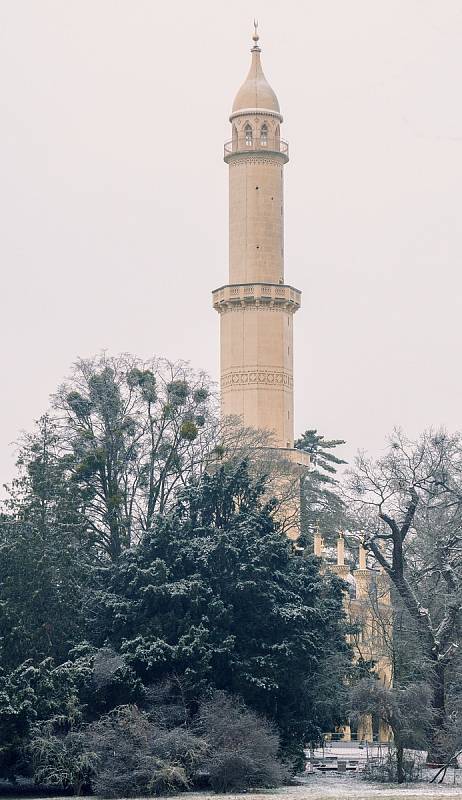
113, 196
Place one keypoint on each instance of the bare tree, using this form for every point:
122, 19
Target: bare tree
407, 711
132, 432
123, 437
281, 475
410, 503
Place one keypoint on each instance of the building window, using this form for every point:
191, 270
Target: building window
248, 135
264, 135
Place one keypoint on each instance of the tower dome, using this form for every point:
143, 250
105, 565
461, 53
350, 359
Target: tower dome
255, 92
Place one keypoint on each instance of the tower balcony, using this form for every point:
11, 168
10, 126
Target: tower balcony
272, 146
260, 294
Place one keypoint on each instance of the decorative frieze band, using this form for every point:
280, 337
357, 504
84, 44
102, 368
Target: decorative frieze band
234, 159
255, 112
228, 308
252, 377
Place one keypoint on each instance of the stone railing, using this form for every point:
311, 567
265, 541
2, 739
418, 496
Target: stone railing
271, 145
261, 294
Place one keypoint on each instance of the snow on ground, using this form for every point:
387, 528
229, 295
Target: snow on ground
330, 787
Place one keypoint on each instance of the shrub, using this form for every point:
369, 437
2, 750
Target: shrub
64, 762
137, 757
180, 746
385, 769
242, 747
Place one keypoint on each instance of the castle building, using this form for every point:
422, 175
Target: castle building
256, 306
368, 607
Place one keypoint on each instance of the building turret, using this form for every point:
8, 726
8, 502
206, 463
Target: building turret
256, 306
340, 568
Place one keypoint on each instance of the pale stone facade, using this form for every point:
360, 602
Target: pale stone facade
368, 605
256, 307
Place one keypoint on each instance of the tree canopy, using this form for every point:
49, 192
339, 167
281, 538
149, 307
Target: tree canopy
409, 504
141, 544
215, 593
322, 507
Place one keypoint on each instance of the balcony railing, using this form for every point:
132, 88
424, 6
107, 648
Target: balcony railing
270, 294
269, 145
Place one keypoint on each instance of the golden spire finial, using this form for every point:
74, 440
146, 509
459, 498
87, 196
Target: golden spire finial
255, 36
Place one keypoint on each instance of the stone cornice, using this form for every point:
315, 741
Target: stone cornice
256, 295
256, 112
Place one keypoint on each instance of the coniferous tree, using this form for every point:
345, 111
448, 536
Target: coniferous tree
321, 505
214, 593
45, 555
125, 561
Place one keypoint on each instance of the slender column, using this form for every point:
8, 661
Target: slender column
256, 307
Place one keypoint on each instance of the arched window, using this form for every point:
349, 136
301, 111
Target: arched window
277, 137
264, 135
248, 135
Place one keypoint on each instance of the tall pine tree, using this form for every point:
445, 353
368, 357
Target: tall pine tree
321, 506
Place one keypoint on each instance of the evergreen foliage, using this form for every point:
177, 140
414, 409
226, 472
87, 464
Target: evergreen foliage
30, 695
141, 584
322, 507
43, 578
216, 594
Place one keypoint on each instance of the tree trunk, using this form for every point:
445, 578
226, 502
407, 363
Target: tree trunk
431, 649
436, 754
400, 762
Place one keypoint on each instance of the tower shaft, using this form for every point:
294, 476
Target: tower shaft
256, 307
256, 219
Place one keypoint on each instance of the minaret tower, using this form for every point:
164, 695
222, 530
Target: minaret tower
256, 306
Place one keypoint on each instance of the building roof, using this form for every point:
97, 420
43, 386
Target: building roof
255, 92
